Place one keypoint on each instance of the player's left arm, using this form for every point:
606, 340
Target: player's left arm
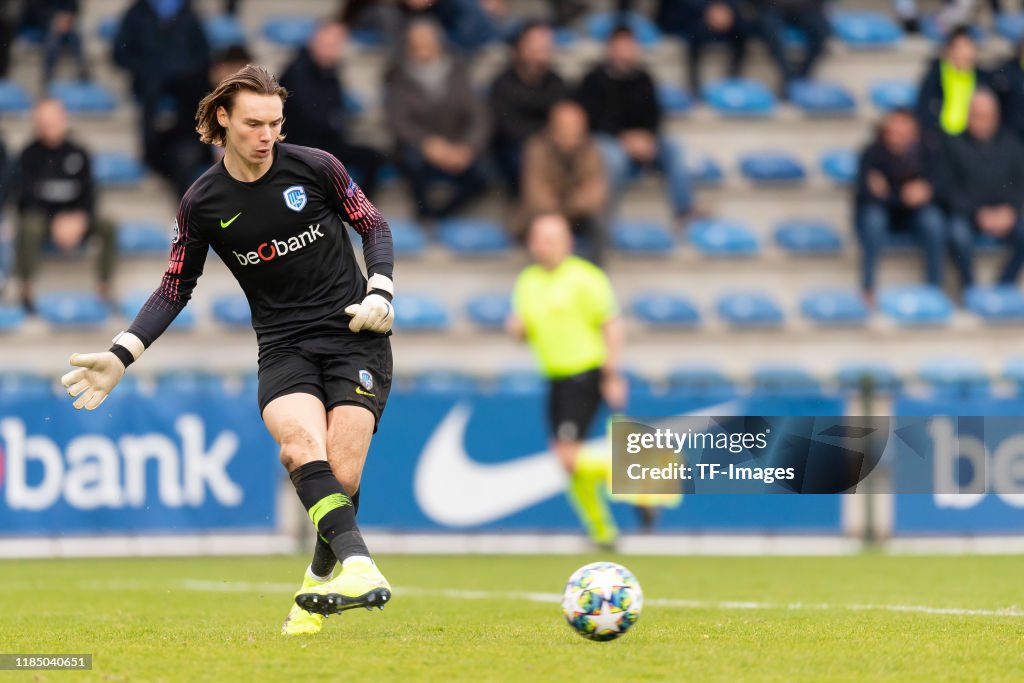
375, 312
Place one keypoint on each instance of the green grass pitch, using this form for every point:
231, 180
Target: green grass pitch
861, 618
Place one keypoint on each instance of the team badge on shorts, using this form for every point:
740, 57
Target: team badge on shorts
295, 197
366, 379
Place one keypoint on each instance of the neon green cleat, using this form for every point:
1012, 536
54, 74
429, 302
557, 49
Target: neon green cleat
299, 622
360, 585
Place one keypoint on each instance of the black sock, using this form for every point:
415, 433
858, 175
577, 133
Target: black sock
330, 509
323, 557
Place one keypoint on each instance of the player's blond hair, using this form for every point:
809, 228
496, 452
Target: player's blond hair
252, 78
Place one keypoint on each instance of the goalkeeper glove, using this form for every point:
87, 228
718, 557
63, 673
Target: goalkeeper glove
375, 312
99, 373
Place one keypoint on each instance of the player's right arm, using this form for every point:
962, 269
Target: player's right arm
97, 374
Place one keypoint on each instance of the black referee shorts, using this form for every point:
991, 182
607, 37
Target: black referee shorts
572, 403
339, 369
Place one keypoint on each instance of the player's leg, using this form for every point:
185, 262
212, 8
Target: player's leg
360, 584
572, 404
357, 378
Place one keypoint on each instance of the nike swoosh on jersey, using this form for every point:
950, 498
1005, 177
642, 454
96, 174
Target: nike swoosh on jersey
224, 223
453, 489
362, 392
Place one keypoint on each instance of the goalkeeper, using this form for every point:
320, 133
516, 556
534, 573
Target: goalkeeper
565, 309
275, 214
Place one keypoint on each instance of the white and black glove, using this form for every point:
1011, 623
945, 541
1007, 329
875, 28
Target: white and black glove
375, 312
98, 373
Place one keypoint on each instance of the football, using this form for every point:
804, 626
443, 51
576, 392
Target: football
602, 600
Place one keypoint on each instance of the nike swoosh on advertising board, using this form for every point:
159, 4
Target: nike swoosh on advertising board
453, 489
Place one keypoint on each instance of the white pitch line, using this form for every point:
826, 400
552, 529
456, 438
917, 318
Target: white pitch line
673, 603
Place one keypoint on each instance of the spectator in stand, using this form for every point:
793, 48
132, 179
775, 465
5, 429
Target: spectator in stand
563, 173
54, 191
162, 44
625, 116
775, 16
1008, 82
983, 186
468, 24
701, 23
226, 62
522, 96
944, 96
895, 195
60, 19
315, 112
440, 125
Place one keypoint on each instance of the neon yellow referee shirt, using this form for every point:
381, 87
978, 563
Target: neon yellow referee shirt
563, 311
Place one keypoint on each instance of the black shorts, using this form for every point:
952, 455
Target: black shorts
354, 370
572, 403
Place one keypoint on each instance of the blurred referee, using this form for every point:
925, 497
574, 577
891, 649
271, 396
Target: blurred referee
276, 214
565, 308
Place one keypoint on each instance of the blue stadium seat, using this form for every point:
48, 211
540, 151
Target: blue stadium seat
996, 304
520, 382
749, 309
188, 381
639, 383
11, 317
839, 165
702, 168
865, 30
932, 29
643, 237
72, 309
665, 310
223, 31
489, 310
473, 236
600, 25
739, 97
107, 27
722, 237
674, 99
916, 305
794, 37
132, 303
784, 380
289, 31
771, 167
892, 94
1013, 370
139, 238
955, 377
445, 382
25, 385
232, 310
834, 307
116, 169
1010, 25
83, 97
820, 98
409, 239
420, 313
856, 375
352, 103
13, 97
807, 236
700, 380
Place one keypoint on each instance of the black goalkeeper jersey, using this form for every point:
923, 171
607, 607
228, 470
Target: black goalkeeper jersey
283, 237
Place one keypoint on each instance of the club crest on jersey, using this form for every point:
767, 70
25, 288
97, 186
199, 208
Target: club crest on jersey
175, 233
366, 379
295, 197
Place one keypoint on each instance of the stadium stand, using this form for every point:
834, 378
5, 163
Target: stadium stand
784, 232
